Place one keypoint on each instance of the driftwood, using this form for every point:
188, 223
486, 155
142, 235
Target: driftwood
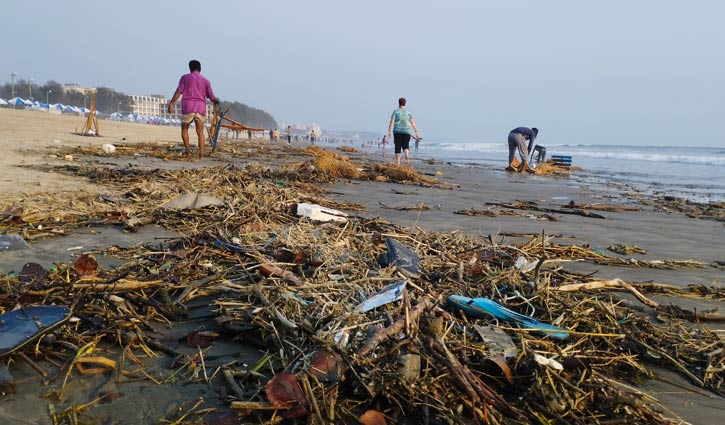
393, 329
421, 207
531, 206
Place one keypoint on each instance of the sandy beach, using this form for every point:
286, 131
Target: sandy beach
34, 141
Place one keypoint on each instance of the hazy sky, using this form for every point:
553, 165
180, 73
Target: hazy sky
616, 72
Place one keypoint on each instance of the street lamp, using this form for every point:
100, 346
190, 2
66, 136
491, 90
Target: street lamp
12, 79
30, 88
118, 110
47, 97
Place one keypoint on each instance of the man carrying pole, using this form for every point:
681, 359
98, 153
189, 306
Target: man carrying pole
195, 89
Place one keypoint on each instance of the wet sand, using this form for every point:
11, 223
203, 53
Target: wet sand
664, 236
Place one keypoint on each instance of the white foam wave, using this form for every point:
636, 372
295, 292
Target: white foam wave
655, 157
628, 153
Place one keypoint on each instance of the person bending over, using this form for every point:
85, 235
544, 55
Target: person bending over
400, 126
517, 140
194, 89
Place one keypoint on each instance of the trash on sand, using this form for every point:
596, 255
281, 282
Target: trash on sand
283, 392
191, 200
524, 264
86, 265
483, 308
372, 417
13, 211
497, 341
31, 272
24, 325
326, 366
543, 361
404, 260
319, 213
108, 148
389, 294
12, 242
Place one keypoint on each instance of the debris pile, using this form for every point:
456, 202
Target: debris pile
360, 319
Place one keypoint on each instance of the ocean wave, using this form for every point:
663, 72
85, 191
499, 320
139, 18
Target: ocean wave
623, 153
654, 157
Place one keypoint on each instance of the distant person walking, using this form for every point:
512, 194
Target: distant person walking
289, 134
401, 122
517, 140
194, 89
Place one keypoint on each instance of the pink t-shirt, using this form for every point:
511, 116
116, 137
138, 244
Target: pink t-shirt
194, 89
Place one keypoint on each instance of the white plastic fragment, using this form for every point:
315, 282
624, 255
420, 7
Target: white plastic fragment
320, 213
543, 361
390, 293
108, 148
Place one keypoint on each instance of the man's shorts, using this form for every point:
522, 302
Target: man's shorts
188, 118
402, 141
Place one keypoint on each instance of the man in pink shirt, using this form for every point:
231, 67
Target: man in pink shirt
195, 89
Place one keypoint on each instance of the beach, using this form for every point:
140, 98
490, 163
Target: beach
508, 208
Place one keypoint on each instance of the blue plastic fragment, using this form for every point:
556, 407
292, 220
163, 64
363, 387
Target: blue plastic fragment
483, 308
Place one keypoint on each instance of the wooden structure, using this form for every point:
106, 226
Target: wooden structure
90, 128
220, 120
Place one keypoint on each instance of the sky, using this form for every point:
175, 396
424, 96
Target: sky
622, 72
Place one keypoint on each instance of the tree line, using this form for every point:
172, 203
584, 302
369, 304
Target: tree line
247, 115
109, 101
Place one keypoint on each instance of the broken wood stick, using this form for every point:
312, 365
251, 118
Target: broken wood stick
396, 327
272, 270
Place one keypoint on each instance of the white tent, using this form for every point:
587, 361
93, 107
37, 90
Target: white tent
3, 102
85, 110
18, 101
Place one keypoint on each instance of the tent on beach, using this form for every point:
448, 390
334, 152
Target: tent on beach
19, 101
3, 102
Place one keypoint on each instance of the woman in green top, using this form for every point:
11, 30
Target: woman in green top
400, 125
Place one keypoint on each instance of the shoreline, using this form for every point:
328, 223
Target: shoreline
696, 239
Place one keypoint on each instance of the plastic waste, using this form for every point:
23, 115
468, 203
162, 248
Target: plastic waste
404, 260
497, 341
389, 294
485, 308
191, 200
523, 264
12, 242
108, 148
22, 326
320, 213
543, 361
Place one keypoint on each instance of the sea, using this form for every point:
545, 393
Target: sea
694, 173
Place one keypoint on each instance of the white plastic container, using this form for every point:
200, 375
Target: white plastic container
319, 213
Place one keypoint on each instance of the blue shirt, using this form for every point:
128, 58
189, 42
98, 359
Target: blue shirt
402, 121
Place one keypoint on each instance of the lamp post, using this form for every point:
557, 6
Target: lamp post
12, 79
30, 88
47, 97
118, 110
